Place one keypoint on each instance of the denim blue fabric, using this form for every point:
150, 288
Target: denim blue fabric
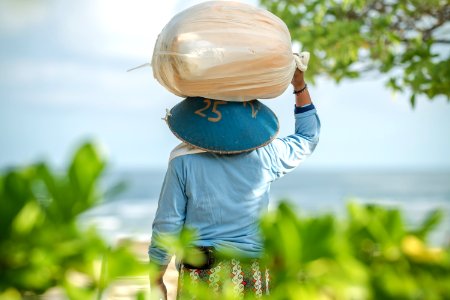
223, 196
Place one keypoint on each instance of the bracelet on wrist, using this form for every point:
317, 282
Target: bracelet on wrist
301, 90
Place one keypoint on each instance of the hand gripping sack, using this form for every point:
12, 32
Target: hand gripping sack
224, 50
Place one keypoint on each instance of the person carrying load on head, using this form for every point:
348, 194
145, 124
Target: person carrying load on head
217, 183
222, 195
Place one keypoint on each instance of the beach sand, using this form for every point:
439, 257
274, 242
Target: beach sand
126, 288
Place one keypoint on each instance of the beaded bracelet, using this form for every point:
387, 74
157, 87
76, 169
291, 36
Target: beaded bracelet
301, 90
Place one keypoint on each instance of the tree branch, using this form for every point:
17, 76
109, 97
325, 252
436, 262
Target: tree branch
442, 17
441, 41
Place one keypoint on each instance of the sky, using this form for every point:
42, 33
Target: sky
63, 81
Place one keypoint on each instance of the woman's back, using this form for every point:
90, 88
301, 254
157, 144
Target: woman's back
225, 196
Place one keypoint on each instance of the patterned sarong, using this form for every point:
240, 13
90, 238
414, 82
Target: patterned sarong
240, 278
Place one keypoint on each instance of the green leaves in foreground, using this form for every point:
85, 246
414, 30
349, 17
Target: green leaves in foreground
41, 246
369, 255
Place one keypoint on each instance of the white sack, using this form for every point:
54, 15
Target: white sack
224, 50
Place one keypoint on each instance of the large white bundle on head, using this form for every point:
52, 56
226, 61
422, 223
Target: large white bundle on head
224, 50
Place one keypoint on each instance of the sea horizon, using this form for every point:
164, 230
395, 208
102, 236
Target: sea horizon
129, 214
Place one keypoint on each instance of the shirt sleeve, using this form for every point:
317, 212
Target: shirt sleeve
170, 215
284, 154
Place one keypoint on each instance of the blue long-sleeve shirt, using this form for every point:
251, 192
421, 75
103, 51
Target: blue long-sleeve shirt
223, 196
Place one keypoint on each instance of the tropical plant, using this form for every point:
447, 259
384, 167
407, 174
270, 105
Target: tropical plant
371, 254
42, 245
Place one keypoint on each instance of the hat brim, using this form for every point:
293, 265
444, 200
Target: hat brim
223, 127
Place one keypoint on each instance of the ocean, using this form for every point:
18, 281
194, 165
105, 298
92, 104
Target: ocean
129, 214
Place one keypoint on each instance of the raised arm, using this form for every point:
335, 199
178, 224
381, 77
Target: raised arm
302, 97
285, 154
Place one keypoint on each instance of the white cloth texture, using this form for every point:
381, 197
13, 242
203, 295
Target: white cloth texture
302, 60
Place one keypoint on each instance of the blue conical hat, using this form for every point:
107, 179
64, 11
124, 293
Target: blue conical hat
221, 126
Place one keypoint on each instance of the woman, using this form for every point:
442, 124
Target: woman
222, 196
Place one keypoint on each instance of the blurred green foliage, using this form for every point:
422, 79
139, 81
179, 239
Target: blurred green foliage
369, 254
41, 243
406, 38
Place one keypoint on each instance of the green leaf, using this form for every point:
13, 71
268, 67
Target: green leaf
84, 171
412, 100
28, 217
432, 220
